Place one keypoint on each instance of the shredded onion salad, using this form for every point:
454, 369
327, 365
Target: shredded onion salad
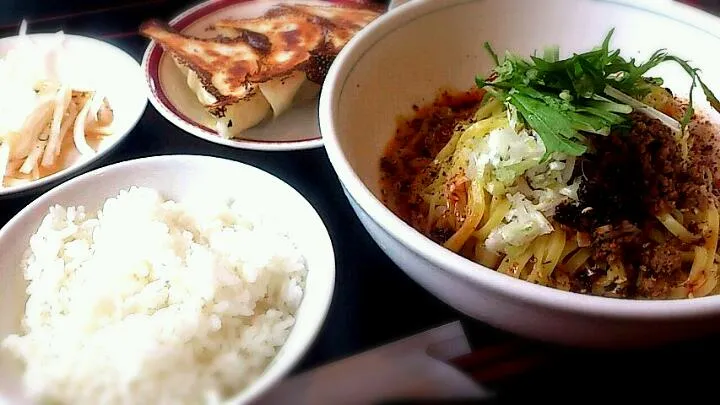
46, 117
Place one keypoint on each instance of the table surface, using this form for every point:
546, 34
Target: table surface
374, 301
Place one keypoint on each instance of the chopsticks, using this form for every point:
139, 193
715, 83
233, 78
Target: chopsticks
490, 365
503, 361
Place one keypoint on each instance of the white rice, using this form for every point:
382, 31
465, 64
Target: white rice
155, 302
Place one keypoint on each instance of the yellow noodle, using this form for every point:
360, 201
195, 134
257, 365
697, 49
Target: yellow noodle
471, 222
687, 256
680, 292
570, 246
430, 221
547, 257
615, 274
496, 217
555, 250
449, 147
716, 289
468, 249
482, 128
458, 152
702, 279
657, 235
486, 257
709, 283
577, 260
539, 247
618, 268
696, 271
505, 264
492, 107
698, 266
711, 240
514, 266
676, 228
678, 215
494, 201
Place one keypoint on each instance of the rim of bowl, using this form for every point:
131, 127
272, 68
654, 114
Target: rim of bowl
82, 163
519, 290
159, 99
264, 382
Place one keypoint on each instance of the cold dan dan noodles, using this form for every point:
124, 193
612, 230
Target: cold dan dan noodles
584, 174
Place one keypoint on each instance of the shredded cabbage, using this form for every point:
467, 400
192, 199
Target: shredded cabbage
508, 160
523, 224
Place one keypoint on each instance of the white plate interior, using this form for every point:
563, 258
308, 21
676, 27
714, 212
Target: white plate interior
109, 70
177, 177
299, 124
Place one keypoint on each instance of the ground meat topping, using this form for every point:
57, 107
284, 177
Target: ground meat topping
626, 173
634, 175
628, 179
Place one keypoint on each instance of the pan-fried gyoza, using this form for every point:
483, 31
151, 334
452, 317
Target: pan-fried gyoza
255, 68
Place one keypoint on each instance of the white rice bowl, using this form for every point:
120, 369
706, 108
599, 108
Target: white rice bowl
155, 301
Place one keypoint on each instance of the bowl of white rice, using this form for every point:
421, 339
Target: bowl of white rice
164, 280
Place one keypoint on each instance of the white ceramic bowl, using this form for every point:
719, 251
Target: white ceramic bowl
177, 176
404, 57
106, 68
